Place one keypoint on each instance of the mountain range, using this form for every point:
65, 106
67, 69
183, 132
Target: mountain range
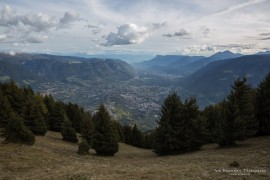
211, 76
179, 65
215, 79
42, 67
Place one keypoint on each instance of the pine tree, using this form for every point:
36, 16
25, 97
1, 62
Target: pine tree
17, 132
138, 139
263, 106
177, 132
87, 128
5, 113
119, 131
127, 130
238, 122
83, 148
149, 140
208, 122
34, 118
15, 96
57, 116
49, 102
68, 132
75, 114
104, 138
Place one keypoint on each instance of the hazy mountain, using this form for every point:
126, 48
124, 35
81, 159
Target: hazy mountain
169, 64
215, 79
263, 53
215, 57
51, 67
178, 65
16, 72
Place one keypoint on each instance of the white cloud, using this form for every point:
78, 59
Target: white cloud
127, 34
199, 49
2, 37
31, 27
37, 38
38, 22
8, 17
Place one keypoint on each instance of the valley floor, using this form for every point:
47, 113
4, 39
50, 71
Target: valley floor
52, 158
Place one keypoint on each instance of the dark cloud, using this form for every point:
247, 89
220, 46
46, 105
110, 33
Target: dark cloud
266, 38
68, 18
180, 33
265, 34
94, 29
156, 26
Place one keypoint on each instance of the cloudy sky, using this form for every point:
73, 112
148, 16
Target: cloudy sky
143, 27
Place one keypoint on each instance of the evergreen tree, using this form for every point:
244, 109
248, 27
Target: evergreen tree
119, 131
15, 96
5, 113
149, 140
68, 132
127, 130
57, 116
104, 138
33, 117
17, 132
49, 102
87, 128
137, 137
208, 122
177, 131
75, 114
263, 106
83, 148
238, 122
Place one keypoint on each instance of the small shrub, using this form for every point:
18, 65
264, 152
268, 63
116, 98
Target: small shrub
83, 148
234, 164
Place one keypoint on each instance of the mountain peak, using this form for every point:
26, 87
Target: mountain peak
221, 55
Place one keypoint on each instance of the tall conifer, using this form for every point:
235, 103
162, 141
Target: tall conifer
104, 138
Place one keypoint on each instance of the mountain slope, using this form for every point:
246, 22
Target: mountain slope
215, 79
16, 72
52, 158
215, 57
178, 65
169, 65
51, 68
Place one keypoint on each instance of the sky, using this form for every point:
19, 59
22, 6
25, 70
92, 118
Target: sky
139, 28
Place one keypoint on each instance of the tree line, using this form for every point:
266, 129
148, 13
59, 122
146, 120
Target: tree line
244, 113
182, 127
25, 114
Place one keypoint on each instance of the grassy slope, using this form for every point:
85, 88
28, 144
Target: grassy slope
52, 158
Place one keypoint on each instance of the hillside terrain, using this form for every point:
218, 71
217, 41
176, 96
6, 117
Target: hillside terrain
215, 79
29, 67
130, 95
179, 65
52, 158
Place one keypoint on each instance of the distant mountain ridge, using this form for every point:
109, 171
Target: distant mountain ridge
179, 65
215, 79
34, 67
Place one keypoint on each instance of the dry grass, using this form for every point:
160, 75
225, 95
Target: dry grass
52, 158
